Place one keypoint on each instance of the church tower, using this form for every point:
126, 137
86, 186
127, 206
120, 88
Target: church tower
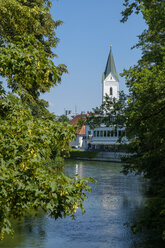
110, 80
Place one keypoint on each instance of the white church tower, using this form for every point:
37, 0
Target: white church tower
110, 80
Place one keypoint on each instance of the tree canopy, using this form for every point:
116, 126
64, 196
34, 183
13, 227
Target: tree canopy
63, 119
32, 143
145, 111
27, 36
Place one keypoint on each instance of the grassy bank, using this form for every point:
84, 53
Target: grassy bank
83, 154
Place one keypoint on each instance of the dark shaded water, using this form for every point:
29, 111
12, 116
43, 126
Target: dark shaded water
117, 199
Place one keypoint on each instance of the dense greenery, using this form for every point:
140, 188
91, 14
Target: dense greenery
83, 154
145, 111
80, 123
26, 181
110, 108
64, 119
27, 37
142, 112
32, 143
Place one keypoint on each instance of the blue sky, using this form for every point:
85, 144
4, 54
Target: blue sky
90, 26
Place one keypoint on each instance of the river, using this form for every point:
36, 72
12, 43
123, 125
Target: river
115, 200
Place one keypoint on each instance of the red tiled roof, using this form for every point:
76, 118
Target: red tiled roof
74, 121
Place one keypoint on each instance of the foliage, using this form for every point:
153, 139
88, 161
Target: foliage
110, 112
32, 143
27, 37
83, 154
63, 119
145, 110
26, 182
152, 40
80, 123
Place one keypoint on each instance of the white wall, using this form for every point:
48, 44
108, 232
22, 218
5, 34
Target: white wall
78, 141
107, 84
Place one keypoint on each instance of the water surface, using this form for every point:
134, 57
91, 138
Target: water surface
115, 200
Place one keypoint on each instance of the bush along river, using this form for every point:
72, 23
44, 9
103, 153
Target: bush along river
116, 199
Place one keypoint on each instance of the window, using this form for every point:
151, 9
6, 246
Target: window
111, 91
105, 133
115, 133
108, 133
101, 133
94, 134
97, 133
111, 133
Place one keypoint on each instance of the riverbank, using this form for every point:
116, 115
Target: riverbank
106, 156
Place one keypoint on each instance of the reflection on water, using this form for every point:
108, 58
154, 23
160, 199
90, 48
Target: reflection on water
79, 169
115, 200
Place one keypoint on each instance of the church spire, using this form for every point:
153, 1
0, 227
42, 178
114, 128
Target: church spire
110, 66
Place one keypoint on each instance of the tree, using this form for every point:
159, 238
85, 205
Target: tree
145, 111
32, 143
27, 182
111, 112
63, 119
27, 37
80, 123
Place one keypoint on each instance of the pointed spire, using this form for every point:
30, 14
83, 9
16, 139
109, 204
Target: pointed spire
110, 66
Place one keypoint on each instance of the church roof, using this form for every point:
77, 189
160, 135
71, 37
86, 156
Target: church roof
110, 67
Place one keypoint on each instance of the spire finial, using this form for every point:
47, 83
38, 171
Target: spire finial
110, 46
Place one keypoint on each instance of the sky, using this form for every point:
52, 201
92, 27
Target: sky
90, 27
